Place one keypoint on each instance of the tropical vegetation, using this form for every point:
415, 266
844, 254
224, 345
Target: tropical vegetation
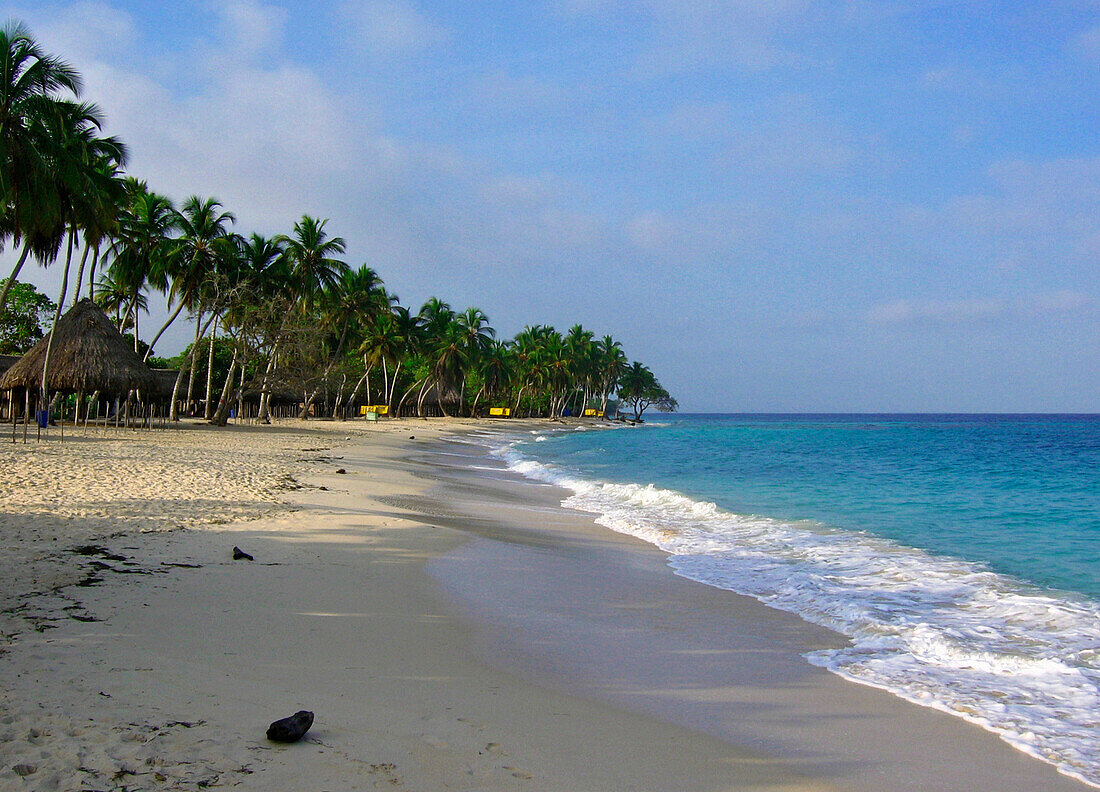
282, 317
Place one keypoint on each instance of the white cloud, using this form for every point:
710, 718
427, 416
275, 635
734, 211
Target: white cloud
82, 31
390, 28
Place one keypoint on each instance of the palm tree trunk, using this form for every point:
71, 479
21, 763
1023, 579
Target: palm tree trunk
339, 395
439, 401
221, 417
172, 318
420, 397
208, 408
91, 274
192, 355
477, 398
393, 386
402, 402
173, 411
358, 385
264, 413
188, 364
80, 272
14, 274
56, 315
519, 398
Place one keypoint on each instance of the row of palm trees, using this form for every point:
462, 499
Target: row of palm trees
297, 319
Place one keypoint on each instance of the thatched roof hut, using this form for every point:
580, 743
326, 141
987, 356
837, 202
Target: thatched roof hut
88, 355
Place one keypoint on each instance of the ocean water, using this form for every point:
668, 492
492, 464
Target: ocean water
960, 554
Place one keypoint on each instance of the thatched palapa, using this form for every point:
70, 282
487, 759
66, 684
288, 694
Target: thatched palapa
88, 355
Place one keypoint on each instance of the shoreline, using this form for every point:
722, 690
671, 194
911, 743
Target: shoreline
451, 626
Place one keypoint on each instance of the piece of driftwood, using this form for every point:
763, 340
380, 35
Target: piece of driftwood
290, 729
238, 554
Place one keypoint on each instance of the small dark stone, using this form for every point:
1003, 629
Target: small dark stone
290, 729
341, 470
238, 554
412, 437
24, 770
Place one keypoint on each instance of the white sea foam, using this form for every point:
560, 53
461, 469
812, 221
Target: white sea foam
944, 633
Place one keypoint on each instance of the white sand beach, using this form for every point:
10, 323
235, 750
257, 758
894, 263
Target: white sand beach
450, 626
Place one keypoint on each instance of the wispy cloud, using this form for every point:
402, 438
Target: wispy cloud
919, 312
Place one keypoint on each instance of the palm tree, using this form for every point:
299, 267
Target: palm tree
477, 337
311, 254
114, 296
526, 346
409, 328
98, 225
144, 244
581, 351
32, 87
203, 245
610, 366
496, 367
84, 166
313, 268
256, 307
356, 298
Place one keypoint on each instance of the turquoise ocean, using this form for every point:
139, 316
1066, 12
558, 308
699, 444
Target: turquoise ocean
960, 554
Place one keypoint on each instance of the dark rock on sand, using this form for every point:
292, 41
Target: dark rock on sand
238, 554
341, 470
290, 729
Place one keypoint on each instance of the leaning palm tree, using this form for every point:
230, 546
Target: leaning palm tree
34, 88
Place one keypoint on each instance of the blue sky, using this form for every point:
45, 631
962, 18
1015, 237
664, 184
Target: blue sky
779, 206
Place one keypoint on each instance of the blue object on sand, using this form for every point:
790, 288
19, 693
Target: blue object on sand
43, 418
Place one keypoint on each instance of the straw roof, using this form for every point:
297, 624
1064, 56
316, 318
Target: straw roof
89, 354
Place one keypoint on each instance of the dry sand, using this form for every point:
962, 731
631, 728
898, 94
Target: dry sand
442, 620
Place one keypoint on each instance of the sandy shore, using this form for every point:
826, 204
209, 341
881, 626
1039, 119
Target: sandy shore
449, 624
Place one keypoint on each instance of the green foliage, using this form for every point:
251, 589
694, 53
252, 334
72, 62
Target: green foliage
22, 318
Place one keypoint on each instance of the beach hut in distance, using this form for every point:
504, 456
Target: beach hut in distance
88, 355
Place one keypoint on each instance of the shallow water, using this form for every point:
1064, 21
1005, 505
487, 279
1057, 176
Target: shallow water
959, 553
